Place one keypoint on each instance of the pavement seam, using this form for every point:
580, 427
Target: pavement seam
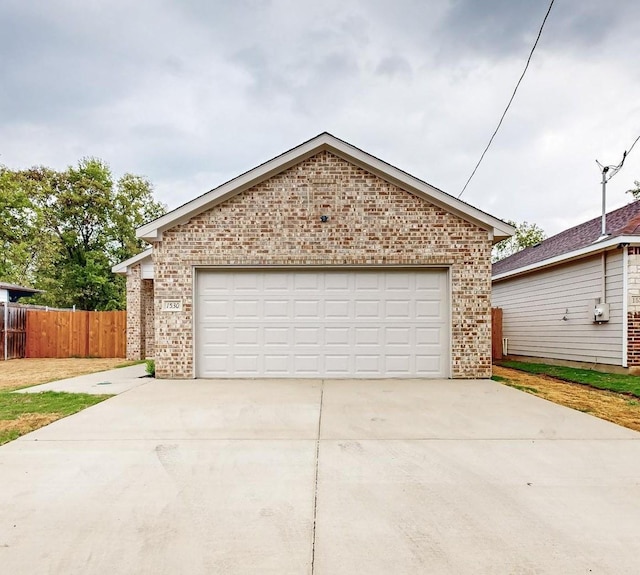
315, 493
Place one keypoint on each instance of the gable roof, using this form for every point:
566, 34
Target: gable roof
123, 267
325, 142
620, 223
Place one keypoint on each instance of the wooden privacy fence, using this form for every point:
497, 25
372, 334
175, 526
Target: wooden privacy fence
16, 333
496, 333
76, 334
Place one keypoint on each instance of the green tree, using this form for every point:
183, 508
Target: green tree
635, 192
79, 223
526, 235
24, 248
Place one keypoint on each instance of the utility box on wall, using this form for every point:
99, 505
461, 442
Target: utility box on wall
600, 311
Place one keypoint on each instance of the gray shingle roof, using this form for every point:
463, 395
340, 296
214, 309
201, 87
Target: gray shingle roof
624, 221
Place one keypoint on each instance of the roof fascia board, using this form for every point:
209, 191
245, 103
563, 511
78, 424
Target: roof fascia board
574, 255
122, 267
498, 229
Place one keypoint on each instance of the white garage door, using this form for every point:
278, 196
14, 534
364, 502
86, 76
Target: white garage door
342, 324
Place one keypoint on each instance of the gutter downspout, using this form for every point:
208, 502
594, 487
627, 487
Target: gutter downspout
604, 278
625, 307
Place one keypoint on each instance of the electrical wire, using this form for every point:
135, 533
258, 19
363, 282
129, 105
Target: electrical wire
613, 170
510, 99
631, 148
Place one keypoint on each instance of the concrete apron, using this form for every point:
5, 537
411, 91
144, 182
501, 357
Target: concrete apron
322, 477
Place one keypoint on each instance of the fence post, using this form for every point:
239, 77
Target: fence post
496, 333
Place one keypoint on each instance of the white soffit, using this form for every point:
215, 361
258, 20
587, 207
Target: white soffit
142, 258
325, 142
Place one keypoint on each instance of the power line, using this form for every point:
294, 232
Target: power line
613, 170
510, 100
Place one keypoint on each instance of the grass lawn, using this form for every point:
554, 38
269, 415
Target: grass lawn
19, 373
620, 408
620, 383
21, 413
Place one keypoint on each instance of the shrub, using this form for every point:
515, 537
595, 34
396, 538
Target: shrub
151, 367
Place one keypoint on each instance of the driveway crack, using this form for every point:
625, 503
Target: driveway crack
315, 494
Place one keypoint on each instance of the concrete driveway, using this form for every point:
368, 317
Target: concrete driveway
333, 477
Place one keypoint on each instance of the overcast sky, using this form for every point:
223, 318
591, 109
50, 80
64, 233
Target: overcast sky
192, 93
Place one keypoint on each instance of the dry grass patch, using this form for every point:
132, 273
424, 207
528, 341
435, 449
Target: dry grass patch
26, 423
615, 407
17, 373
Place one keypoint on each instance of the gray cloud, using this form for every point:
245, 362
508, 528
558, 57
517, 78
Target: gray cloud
193, 93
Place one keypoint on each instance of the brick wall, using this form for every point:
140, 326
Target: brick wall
149, 314
371, 222
633, 309
140, 315
633, 339
135, 325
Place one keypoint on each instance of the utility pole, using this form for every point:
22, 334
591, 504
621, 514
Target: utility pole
607, 173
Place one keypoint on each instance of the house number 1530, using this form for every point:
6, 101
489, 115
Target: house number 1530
171, 305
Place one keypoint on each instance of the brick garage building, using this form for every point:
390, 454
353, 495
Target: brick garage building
323, 262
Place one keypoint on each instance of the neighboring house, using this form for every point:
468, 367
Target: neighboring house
322, 262
12, 293
549, 294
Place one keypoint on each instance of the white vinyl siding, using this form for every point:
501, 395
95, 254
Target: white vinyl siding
535, 304
345, 324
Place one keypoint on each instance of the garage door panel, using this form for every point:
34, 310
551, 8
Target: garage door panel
277, 309
306, 364
276, 336
306, 282
427, 309
337, 282
337, 365
398, 365
399, 282
368, 336
322, 323
368, 282
336, 336
307, 336
246, 308
247, 283
399, 309
429, 364
276, 365
246, 336
216, 336
213, 309
368, 364
276, 283
306, 309
217, 364
368, 309
429, 281
402, 336
337, 309
246, 364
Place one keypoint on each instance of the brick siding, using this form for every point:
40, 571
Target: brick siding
135, 330
633, 339
140, 315
371, 222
